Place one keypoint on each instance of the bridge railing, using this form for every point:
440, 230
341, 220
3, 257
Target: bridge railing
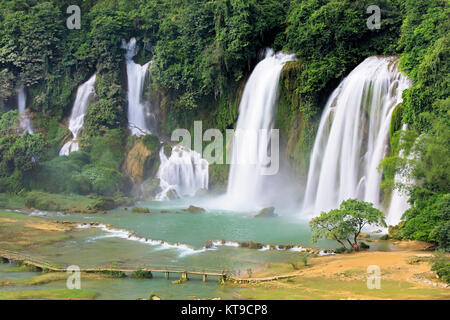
111, 266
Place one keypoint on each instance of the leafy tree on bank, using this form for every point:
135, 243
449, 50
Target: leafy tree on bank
20, 154
345, 224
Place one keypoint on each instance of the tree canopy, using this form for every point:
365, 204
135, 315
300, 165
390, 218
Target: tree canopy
346, 223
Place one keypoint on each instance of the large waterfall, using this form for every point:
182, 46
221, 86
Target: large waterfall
25, 121
353, 136
183, 173
85, 93
139, 113
247, 186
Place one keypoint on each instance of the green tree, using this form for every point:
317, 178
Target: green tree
346, 223
19, 153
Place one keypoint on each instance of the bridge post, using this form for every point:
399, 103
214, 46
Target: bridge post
184, 276
204, 277
166, 275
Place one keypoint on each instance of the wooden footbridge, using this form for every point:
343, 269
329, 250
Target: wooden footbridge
124, 268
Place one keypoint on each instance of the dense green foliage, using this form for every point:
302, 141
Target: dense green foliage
441, 264
346, 223
331, 38
424, 44
19, 153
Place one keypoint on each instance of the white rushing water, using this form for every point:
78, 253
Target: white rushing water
246, 185
353, 136
85, 93
183, 173
399, 198
25, 121
139, 113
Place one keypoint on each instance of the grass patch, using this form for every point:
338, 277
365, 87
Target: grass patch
352, 273
11, 201
18, 232
58, 294
417, 260
316, 288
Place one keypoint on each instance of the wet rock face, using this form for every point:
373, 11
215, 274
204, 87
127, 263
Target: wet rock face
266, 213
135, 162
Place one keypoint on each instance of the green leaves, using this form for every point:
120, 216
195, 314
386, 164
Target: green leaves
19, 154
346, 223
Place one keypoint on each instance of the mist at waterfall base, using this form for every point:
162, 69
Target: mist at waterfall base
249, 188
353, 137
85, 93
140, 117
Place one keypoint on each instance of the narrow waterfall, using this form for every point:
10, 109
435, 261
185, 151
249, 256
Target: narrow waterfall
183, 173
85, 92
247, 183
139, 113
399, 198
353, 136
25, 121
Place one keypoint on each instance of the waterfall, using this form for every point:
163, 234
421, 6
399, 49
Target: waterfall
25, 121
139, 114
247, 184
84, 94
353, 136
399, 198
184, 173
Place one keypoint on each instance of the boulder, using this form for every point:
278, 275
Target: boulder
194, 209
208, 244
266, 213
140, 210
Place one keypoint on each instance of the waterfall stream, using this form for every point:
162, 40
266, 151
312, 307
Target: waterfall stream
85, 93
25, 121
247, 184
183, 173
399, 198
353, 136
139, 111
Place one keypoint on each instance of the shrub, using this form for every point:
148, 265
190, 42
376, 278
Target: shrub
140, 210
304, 258
441, 264
142, 274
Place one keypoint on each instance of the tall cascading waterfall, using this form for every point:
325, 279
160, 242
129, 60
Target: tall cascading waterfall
247, 185
184, 173
85, 93
353, 136
139, 113
25, 121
